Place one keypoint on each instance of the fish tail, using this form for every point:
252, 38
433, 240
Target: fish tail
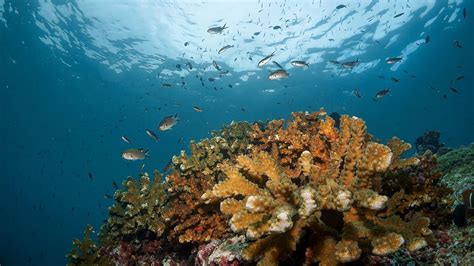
147, 153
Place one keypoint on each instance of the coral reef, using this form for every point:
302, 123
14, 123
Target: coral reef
301, 191
458, 169
429, 141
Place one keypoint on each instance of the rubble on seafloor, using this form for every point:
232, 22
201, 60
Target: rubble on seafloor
297, 192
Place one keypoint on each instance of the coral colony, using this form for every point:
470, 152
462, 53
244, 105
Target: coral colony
301, 191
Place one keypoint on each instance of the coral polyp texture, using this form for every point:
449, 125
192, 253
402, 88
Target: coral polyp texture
301, 191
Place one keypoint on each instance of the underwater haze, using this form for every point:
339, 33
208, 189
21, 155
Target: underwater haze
81, 79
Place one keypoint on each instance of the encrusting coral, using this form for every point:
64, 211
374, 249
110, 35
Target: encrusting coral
330, 194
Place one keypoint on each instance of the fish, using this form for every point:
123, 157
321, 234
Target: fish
381, 93
393, 60
168, 166
152, 135
460, 77
297, 63
256, 33
186, 43
276, 27
224, 72
341, 6
90, 176
357, 94
217, 30
266, 59
107, 196
168, 122
167, 85
459, 215
454, 90
278, 65
334, 62
189, 65
427, 39
464, 12
395, 80
230, 85
464, 211
216, 66
278, 74
127, 140
223, 49
211, 79
269, 90
468, 199
398, 15
178, 66
133, 154
458, 44
114, 184
350, 64
197, 109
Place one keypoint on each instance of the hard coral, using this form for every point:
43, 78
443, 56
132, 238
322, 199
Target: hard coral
264, 192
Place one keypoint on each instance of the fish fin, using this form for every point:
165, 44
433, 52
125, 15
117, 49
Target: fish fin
146, 153
224, 27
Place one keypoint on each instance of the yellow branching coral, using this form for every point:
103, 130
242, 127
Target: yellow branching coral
332, 169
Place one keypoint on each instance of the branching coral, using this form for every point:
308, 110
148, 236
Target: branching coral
280, 187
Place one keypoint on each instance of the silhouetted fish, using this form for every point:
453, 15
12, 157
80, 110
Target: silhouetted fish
398, 15
381, 94
357, 94
340, 6
216, 30
223, 49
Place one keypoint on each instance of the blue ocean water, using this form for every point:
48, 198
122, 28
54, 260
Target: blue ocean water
76, 76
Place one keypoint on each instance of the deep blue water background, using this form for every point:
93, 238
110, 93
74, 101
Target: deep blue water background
59, 123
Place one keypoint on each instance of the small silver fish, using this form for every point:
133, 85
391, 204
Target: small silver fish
197, 109
152, 135
266, 59
134, 154
278, 74
223, 49
381, 93
278, 65
124, 138
393, 60
168, 122
297, 63
217, 30
350, 64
